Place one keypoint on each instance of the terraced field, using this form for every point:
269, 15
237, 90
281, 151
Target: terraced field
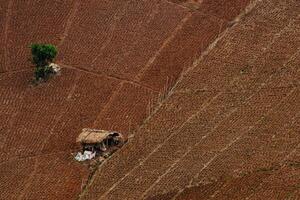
220, 133
209, 89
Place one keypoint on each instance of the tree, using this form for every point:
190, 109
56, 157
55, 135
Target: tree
42, 56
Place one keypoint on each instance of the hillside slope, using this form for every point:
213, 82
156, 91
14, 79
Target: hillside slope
209, 89
119, 59
229, 128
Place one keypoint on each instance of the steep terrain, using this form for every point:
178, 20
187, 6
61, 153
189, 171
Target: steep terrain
229, 128
209, 89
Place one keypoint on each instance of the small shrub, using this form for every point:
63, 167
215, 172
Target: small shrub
42, 56
42, 72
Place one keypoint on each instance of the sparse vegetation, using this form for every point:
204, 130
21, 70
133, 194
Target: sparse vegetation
42, 56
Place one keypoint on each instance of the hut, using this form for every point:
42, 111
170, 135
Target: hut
99, 141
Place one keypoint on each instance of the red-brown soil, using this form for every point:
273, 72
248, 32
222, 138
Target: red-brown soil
3, 39
44, 184
211, 99
215, 143
120, 40
223, 9
33, 22
191, 40
135, 108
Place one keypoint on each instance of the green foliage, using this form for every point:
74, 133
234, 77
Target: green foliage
42, 56
42, 72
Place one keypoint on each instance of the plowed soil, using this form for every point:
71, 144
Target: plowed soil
219, 133
209, 91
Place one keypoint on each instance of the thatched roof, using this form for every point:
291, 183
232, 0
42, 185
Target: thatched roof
91, 136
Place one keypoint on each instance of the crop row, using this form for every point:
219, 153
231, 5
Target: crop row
229, 93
